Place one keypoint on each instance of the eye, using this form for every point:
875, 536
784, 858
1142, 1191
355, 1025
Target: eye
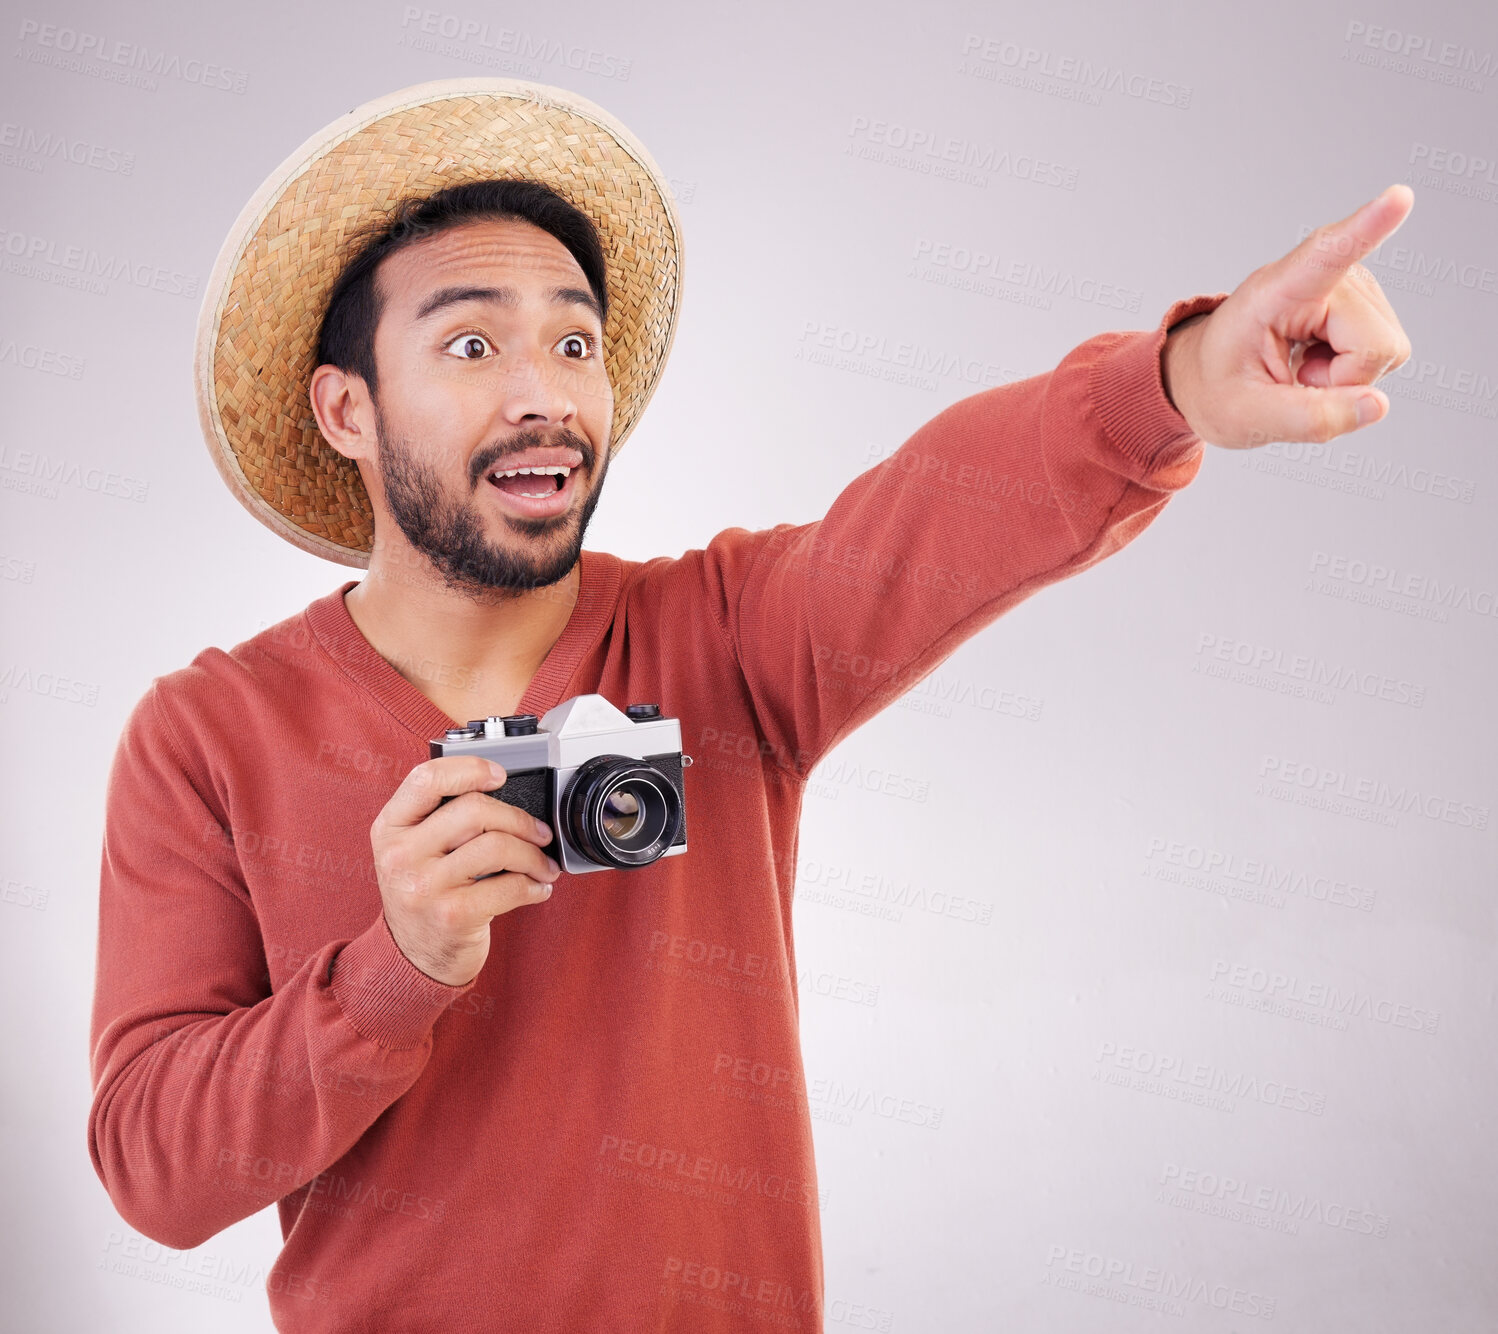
467, 343
586, 339
474, 346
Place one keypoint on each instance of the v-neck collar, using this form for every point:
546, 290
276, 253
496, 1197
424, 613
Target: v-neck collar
598, 587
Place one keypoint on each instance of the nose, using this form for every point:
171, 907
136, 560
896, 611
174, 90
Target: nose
536, 393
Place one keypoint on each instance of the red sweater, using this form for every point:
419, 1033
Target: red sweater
558, 1145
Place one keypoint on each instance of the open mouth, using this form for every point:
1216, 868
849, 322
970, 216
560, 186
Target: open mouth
532, 485
537, 492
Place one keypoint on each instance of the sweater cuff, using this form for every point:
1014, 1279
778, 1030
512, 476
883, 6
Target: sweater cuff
384, 996
1128, 391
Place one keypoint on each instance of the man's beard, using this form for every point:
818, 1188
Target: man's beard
451, 535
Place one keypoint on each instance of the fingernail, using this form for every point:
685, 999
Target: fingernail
1369, 409
555, 869
545, 891
496, 770
543, 829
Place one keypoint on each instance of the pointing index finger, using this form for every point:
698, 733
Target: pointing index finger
1319, 262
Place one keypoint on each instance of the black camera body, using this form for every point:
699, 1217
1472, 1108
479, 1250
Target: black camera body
608, 783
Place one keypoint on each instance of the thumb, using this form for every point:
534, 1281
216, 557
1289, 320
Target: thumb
1297, 412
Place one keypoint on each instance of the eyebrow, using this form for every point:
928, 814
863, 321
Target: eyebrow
504, 296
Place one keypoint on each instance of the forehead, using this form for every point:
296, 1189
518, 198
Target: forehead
511, 253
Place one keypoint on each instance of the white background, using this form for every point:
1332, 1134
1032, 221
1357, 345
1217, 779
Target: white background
1072, 831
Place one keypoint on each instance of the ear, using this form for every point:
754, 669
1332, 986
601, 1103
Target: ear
345, 416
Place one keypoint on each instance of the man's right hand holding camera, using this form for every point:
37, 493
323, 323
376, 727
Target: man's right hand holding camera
428, 855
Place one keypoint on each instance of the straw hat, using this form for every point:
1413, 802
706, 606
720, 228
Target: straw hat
257, 331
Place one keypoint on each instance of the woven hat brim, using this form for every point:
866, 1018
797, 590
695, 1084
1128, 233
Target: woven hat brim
264, 300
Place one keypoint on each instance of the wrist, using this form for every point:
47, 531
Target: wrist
446, 962
1175, 363
383, 995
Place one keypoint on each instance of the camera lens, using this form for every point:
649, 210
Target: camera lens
620, 811
622, 815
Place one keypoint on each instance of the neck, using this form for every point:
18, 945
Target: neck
472, 655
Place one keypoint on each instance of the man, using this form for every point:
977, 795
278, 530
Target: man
484, 1095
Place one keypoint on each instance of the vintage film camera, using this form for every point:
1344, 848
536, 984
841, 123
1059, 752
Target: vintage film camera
608, 783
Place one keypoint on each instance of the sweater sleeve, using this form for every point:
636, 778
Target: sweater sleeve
1000, 494
198, 1069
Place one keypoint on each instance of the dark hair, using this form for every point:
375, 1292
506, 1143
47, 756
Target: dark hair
346, 336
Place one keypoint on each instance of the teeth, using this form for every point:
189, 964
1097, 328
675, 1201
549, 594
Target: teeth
548, 469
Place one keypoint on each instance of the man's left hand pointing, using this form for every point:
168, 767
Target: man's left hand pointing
1290, 355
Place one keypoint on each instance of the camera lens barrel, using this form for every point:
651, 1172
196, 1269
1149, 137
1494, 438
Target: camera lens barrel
621, 811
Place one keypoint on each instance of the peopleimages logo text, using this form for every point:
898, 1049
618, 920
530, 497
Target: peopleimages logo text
1374, 791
